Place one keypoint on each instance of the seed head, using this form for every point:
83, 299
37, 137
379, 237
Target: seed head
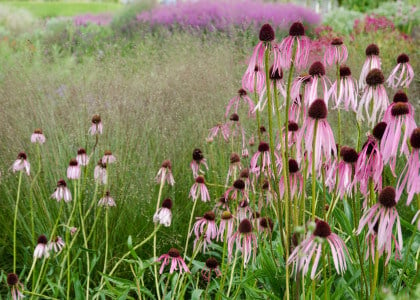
348, 154
61, 183
226, 215
197, 155
372, 49
42, 239
234, 117
211, 263
318, 109
244, 173
173, 252
73, 162
239, 184
266, 185
387, 197
293, 126
234, 158
337, 42
81, 151
293, 166
277, 75
399, 109
262, 129
400, 96
403, 58
267, 33
322, 229
266, 223
96, 119
38, 131
209, 216
199, 179
345, 71
263, 147
242, 92
245, 226
415, 138
317, 69
167, 203
375, 77
297, 29
379, 130
12, 279
22, 155
167, 164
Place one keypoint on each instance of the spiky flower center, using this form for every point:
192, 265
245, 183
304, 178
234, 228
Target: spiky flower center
267, 33
197, 155
293, 126
375, 77
242, 92
96, 119
348, 154
399, 109
73, 162
263, 147
226, 215
108, 152
266, 185
234, 117
245, 226
211, 263
378, 130
12, 279
387, 197
403, 58
167, 203
199, 179
415, 138
297, 29
42, 239
345, 71
400, 96
277, 74
322, 229
293, 166
266, 223
167, 164
209, 216
22, 155
372, 49
244, 173
234, 158
317, 69
173, 252
81, 151
61, 183
239, 184
318, 109
337, 42
38, 131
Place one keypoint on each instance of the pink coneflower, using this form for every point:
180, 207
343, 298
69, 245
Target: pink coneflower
165, 173
347, 95
324, 144
107, 200
295, 92
16, 286
276, 78
38, 136
73, 171
295, 180
164, 214
206, 227
108, 157
96, 127
345, 171
336, 53
224, 130
243, 211
302, 255
73, 230
198, 160
266, 36
21, 164
374, 91
234, 166
222, 204
400, 119
245, 240
410, 176
372, 62
56, 244
212, 266
371, 238
317, 73
254, 81
235, 129
237, 191
174, 258
384, 212
100, 173
62, 192
199, 189
293, 134
265, 225
82, 158
406, 73
296, 39
370, 164
264, 153
242, 95
41, 249
227, 222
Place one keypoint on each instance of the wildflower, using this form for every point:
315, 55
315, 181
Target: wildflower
301, 80
372, 62
276, 78
234, 166
345, 170
165, 173
198, 160
336, 53
264, 152
242, 95
57, 245
317, 73
21, 164
38, 136
302, 255
225, 226
374, 91
245, 240
73, 230
16, 286
238, 188
254, 81
384, 212
73, 171
293, 133
100, 173
212, 265
62, 192
296, 41
199, 189
265, 225
400, 119
107, 200
347, 94
96, 127
410, 176
371, 238
108, 157
406, 73
173, 257
82, 158
324, 143
295, 179
164, 214
205, 226
41, 249
243, 210
224, 130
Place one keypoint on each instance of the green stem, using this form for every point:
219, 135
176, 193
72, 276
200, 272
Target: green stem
375, 276
338, 93
223, 267
162, 182
313, 170
231, 274
324, 272
407, 255
15, 221
189, 228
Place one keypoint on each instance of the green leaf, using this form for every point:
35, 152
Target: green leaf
196, 294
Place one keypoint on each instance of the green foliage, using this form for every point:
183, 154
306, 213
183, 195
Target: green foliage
341, 19
361, 5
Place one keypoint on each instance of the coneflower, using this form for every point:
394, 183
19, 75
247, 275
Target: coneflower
402, 74
16, 286
165, 173
100, 173
214, 131
245, 241
21, 164
264, 152
205, 226
295, 92
227, 222
265, 225
73, 170
198, 160
345, 170
372, 62
234, 166
243, 211
237, 191
41, 249
82, 158
336, 52
108, 157
212, 266
107, 200
62, 192
164, 214
175, 260
199, 189
96, 126
56, 245
241, 95
317, 73
38, 136
347, 96
295, 180
254, 81
371, 238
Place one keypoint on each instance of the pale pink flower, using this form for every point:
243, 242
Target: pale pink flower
242, 95
264, 153
41, 249
374, 100
164, 214
317, 73
243, 211
73, 230
336, 53
234, 166
165, 173
206, 227
199, 189
21, 164
224, 130
371, 238
402, 74
62, 192
384, 212
227, 222
174, 258
56, 245
107, 200
276, 78
295, 180
198, 160
245, 241
295, 92
108, 157
38, 136
283, 57
82, 158
265, 225
303, 254
237, 191
73, 170
96, 126
410, 176
254, 81
100, 173
346, 97
212, 266
372, 62
345, 171
16, 286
